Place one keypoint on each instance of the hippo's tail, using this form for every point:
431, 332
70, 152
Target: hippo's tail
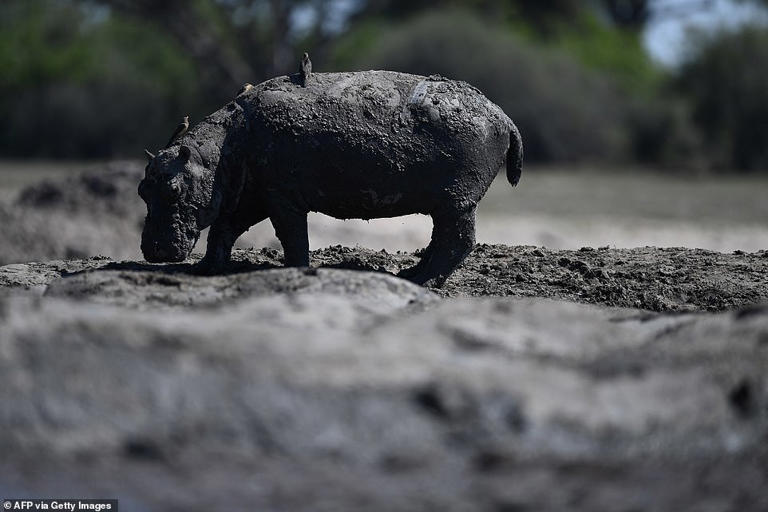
514, 156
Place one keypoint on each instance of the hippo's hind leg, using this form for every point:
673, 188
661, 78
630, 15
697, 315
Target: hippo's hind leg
424, 257
291, 229
453, 238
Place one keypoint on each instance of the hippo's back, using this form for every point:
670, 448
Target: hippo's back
358, 102
379, 131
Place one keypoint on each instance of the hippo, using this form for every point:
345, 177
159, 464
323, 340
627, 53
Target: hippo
361, 145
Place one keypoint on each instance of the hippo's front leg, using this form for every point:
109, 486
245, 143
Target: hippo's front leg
221, 239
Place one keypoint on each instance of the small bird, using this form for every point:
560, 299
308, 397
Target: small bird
244, 89
305, 69
179, 131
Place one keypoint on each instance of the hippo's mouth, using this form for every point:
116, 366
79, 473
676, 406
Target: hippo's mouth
156, 253
170, 244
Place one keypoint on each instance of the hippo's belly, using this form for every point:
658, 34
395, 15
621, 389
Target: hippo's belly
366, 181
358, 197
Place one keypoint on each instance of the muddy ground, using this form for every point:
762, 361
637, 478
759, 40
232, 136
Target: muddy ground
653, 279
331, 389
583, 380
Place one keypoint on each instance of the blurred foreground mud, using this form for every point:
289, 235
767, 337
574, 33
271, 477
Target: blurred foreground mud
333, 389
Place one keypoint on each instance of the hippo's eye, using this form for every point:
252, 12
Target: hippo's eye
174, 189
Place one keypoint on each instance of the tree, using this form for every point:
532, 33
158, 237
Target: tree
728, 90
231, 41
628, 13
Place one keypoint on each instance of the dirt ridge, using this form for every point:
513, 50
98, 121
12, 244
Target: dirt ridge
649, 278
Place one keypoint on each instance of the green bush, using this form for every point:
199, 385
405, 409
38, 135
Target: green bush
599, 45
73, 86
663, 135
726, 81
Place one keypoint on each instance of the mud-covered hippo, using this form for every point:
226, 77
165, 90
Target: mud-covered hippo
350, 145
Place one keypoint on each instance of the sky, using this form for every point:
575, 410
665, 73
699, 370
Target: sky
665, 36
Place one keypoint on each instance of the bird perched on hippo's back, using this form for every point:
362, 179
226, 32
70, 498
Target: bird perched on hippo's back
244, 89
305, 69
180, 130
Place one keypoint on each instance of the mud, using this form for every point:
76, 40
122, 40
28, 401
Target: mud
656, 279
77, 217
652, 279
329, 389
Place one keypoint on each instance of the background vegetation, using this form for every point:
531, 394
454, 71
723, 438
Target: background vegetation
104, 78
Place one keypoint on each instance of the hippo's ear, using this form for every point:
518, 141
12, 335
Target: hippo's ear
149, 154
185, 153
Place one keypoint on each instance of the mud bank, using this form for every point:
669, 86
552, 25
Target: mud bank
595, 379
92, 213
653, 279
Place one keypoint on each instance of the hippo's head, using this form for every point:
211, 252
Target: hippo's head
178, 190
